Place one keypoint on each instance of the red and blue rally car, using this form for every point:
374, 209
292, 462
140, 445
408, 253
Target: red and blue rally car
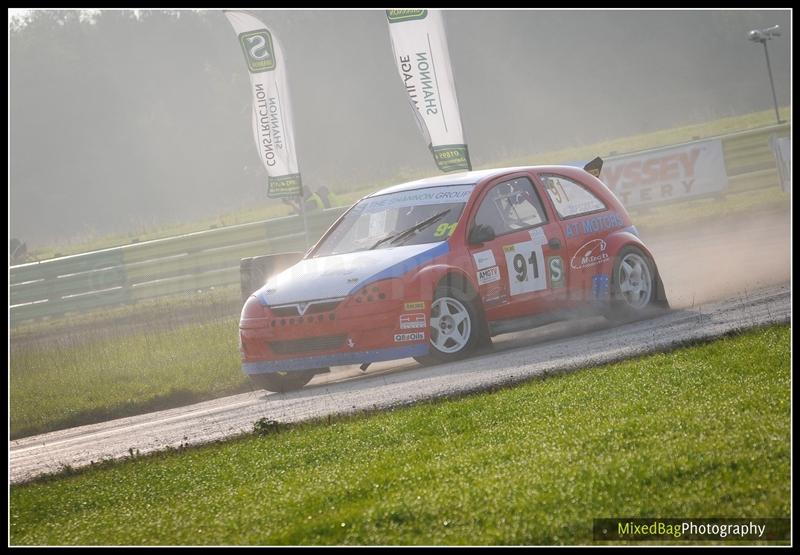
434, 268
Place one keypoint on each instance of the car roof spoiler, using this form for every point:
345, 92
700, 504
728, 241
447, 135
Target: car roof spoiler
594, 167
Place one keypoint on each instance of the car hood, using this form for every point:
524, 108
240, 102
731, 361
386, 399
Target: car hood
337, 276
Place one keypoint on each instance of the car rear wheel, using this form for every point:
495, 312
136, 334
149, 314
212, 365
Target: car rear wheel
633, 285
282, 382
454, 330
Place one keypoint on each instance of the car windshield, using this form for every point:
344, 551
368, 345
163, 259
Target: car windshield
411, 217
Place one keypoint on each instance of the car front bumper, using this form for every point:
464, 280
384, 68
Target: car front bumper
357, 331
334, 359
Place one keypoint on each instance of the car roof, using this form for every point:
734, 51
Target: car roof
461, 178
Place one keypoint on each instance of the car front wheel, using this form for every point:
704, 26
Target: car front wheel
454, 329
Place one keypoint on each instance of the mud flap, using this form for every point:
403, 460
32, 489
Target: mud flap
256, 270
661, 295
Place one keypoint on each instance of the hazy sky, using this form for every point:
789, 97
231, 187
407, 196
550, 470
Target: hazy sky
118, 123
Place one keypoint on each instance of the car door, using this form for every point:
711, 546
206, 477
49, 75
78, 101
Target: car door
585, 221
516, 251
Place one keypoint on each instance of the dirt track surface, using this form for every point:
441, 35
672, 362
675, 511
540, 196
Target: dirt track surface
563, 347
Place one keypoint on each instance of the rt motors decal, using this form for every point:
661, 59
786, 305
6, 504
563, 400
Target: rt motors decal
603, 222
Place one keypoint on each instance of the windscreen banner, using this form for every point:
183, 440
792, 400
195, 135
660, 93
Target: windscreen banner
272, 113
666, 175
420, 51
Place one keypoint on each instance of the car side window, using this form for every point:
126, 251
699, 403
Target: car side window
569, 197
510, 206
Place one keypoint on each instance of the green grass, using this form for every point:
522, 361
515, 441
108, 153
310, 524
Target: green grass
698, 432
210, 303
348, 193
87, 377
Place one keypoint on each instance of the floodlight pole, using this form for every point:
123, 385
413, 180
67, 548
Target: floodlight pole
771, 83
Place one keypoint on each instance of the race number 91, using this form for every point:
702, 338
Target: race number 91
525, 262
521, 266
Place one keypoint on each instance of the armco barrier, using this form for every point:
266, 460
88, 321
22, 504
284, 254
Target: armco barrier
155, 268
211, 258
750, 151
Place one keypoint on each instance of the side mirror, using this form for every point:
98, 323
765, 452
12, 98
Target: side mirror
481, 233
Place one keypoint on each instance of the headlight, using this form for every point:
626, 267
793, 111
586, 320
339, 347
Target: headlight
253, 309
384, 290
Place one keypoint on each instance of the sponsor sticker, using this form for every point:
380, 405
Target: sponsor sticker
418, 305
258, 51
489, 275
484, 259
556, 268
414, 336
669, 174
284, 186
398, 15
412, 321
594, 224
590, 254
538, 236
451, 158
493, 294
600, 289
418, 197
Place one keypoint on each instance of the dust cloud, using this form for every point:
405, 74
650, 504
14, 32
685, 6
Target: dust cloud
722, 258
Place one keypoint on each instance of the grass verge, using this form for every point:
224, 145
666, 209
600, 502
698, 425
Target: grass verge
72, 380
699, 432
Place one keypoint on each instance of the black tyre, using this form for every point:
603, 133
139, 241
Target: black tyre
455, 330
282, 382
634, 285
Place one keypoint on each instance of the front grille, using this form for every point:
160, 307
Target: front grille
285, 311
289, 310
322, 307
308, 345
